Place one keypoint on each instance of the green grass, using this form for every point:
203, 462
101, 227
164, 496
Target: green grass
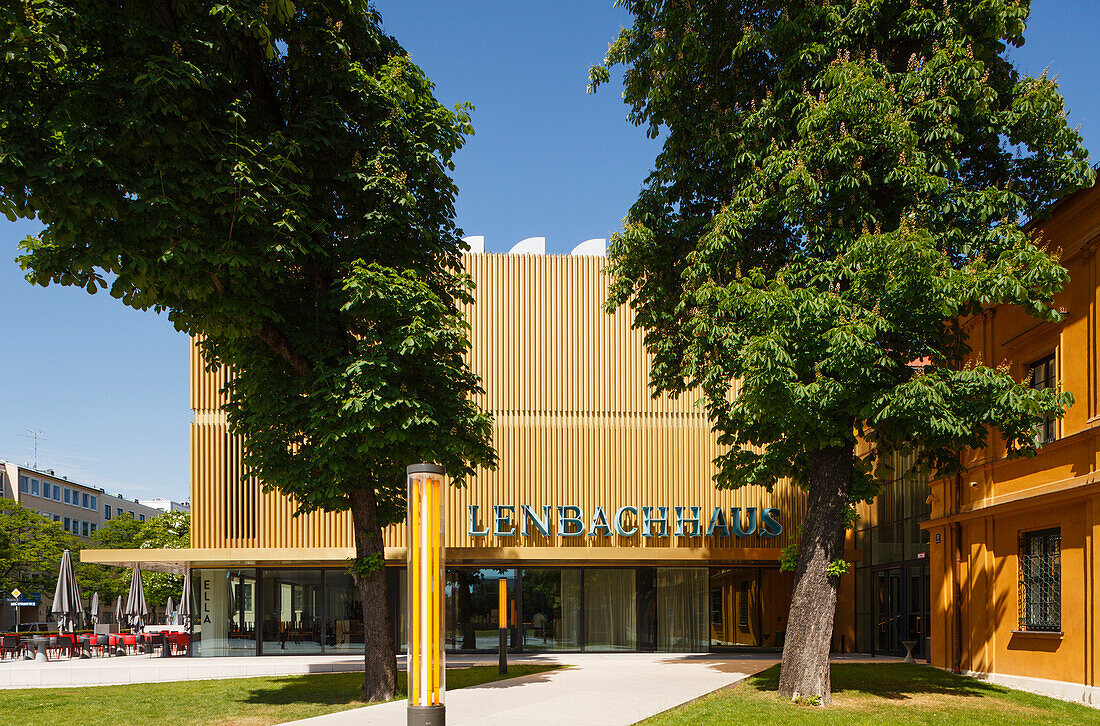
881, 694
236, 702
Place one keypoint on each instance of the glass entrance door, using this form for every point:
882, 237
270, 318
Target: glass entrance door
901, 608
890, 606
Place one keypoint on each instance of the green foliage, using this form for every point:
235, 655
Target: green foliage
359, 567
30, 550
838, 182
274, 175
171, 530
788, 556
838, 567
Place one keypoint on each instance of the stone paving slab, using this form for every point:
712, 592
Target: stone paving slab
589, 690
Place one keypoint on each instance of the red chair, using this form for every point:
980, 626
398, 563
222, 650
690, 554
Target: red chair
129, 642
182, 642
10, 644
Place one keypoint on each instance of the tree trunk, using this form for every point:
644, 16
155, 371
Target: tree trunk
805, 670
379, 648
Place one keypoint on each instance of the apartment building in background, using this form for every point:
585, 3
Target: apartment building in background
80, 509
166, 505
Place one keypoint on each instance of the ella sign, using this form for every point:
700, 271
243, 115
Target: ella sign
570, 520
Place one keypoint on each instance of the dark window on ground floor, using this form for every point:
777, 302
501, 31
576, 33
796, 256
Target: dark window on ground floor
1040, 593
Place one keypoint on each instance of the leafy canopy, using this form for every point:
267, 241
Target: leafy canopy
30, 550
839, 180
274, 175
171, 530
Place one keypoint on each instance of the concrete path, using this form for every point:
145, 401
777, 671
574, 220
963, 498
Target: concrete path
592, 689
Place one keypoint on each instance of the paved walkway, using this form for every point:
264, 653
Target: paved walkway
592, 689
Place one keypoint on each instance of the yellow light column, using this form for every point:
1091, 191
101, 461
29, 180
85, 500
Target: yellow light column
426, 661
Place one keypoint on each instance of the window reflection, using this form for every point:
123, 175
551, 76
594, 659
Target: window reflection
292, 612
551, 609
344, 612
472, 608
225, 621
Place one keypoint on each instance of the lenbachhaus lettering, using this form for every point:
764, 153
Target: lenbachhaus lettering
524, 520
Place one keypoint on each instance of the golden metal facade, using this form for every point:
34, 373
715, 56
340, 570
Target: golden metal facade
574, 423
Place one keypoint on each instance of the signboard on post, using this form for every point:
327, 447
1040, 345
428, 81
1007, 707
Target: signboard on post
426, 665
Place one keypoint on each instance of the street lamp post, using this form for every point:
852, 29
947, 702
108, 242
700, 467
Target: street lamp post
426, 666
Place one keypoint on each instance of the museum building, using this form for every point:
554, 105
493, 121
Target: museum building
1014, 543
604, 521
602, 515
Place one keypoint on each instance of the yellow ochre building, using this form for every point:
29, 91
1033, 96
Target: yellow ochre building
604, 521
1014, 542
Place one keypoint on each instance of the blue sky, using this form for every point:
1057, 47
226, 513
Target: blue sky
108, 385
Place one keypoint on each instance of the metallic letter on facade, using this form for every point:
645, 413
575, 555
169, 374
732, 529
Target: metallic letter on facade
648, 521
599, 521
718, 523
735, 521
618, 523
681, 520
502, 521
527, 514
769, 523
570, 514
471, 529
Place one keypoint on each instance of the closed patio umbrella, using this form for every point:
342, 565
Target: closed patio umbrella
119, 617
95, 609
185, 603
136, 610
168, 610
66, 596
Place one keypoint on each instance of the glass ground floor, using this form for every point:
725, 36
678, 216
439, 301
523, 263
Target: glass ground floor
265, 611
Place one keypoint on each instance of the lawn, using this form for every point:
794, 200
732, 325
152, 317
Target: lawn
230, 702
881, 694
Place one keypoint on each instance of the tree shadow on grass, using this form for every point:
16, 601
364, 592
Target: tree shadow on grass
894, 681
325, 689
333, 689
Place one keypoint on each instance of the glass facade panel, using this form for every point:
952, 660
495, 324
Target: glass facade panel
891, 578
610, 609
225, 623
472, 608
343, 614
668, 609
551, 609
292, 621
682, 609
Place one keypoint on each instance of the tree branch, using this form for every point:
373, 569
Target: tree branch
268, 333
275, 339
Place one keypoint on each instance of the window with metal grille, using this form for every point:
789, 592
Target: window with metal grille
744, 605
1041, 376
1040, 594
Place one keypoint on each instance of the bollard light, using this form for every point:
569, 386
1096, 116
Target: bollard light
426, 665
502, 610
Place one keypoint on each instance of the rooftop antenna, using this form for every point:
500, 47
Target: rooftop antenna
34, 435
